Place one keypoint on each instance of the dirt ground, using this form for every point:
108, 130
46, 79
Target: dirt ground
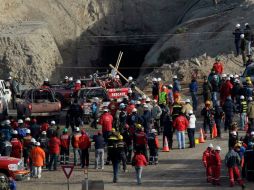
178, 169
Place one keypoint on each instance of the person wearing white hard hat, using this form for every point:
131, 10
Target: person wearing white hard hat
249, 60
38, 158
130, 78
28, 142
243, 45
117, 82
243, 106
216, 166
46, 83
44, 141
237, 33
16, 145
148, 103
187, 107
225, 90
191, 128
176, 85
155, 89
66, 80
248, 35
163, 96
156, 116
215, 83
207, 154
77, 87
153, 145
147, 118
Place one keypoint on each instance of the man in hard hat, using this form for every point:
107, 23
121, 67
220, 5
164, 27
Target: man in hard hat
225, 90
250, 112
216, 166
187, 107
243, 44
248, 35
208, 114
84, 145
44, 141
128, 139
37, 156
75, 144
65, 147
170, 95
191, 128
117, 82
233, 162
99, 150
46, 83
95, 111
218, 66
207, 162
6, 129
54, 151
156, 115
163, 96
193, 87
106, 121
26, 146
176, 85
140, 140
35, 129
153, 144
17, 147
121, 146
122, 117
75, 114
207, 90
52, 129
134, 118
168, 130
215, 83
66, 80
229, 110
155, 89
243, 111
77, 87
147, 118
5, 146
218, 117
180, 123
237, 33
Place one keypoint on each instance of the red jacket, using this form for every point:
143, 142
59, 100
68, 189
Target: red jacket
14, 125
84, 142
215, 158
207, 157
54, 145
113, 107
225, 91
139, 160
16, 148
140, 138
106, 121
130, 108
218, 68
180, 123
77, 87
65, 141
44, 127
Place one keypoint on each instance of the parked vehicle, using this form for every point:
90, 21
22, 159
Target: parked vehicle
38, 102
13, 167
248, 72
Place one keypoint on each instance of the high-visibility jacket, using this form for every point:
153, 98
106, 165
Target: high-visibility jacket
162, 98
37, 155
75, 140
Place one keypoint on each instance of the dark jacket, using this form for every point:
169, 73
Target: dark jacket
237, 33
229, 108
98, 141
232, 159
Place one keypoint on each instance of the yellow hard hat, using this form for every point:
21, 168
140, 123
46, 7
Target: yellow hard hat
113, 130
248, 79
208, 102
120, 137
248, 82
138, 126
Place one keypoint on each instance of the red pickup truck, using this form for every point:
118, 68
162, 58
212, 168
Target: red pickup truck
13, 167
38, 102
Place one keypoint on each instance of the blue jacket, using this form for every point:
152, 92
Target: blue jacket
176, 86
229, 108
193, 86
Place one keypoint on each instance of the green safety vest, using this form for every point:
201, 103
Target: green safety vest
162, 98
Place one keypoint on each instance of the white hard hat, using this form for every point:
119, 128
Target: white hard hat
33, 140
252, 133
66, 77
15, 132
129, 91
117, 77
223, 75
44, 132
37, 144
9, 78
175, 77
52, 122
210, 145
153, 131
242, 36
71, 79
170, 86
236, 76
130, 78
145, 106
190, 112
27, 119
105, 110
20, 121
78, 82
237, 25
144, 97
164, 87
241, 97
218, 148
7, 122
134, 110
231, 76
233, 133
28, 131
154, 80
187, 101
237, 81
228, 78
138, 102
96, 99
215, 76
148, 99
46, 79
246, 24
77, 129
158, 79
155, 101
250, 98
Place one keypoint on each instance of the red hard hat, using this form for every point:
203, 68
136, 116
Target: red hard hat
34, 120
127, 126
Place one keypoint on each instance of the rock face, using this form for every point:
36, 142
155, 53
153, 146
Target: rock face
28, 52
77, 29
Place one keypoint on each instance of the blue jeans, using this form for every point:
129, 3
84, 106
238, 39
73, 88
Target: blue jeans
139, 170
194, 100
180, 135
249, 50
215, 98
242, 120
76, 152
115, 164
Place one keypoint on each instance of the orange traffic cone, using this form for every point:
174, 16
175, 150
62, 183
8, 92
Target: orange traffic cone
165, 147
201, 138
214, 131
